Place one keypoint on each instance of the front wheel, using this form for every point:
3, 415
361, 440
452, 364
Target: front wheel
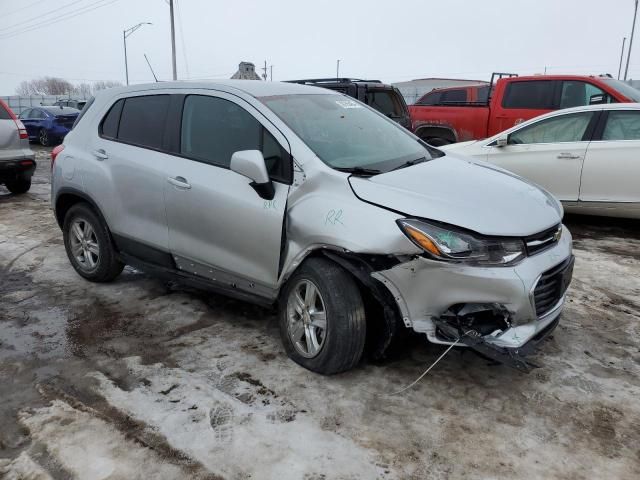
322, 319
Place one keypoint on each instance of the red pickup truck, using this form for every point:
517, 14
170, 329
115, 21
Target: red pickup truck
470, 113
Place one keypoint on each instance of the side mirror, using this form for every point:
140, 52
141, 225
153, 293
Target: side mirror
502, 141
250, 163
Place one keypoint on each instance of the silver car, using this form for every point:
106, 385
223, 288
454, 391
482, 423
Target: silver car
17, 160
290, 194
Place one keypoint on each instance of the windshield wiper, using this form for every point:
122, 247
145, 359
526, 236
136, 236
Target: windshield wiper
367, 172
410, 163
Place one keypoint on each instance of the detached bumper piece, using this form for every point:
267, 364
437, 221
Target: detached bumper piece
472, 323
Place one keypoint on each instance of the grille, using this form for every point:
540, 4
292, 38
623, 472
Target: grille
551, 286
541, 241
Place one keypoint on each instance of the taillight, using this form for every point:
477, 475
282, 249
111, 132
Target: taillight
54, 154
22, 132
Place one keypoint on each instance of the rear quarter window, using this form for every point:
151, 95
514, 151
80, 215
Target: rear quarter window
142, 120
535, 94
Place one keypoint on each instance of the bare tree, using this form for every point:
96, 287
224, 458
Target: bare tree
104, 84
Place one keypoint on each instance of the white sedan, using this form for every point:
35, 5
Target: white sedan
588, 157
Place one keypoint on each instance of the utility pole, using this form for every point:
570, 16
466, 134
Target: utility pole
264, 71
338, 69
173, 42
624, 39
633, 27
271, 71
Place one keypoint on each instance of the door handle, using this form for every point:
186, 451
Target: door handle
100, 154
179, 182
568, 156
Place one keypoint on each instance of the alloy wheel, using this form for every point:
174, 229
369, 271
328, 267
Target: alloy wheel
306, 318
84, 244
44, 138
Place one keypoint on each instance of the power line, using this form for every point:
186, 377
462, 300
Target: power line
23, 8
41, 15
52, 21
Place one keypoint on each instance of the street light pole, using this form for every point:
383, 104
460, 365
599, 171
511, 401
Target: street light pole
173, 42
624, 40
633, 27
125, 34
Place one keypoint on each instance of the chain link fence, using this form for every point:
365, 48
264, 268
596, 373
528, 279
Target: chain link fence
18, 103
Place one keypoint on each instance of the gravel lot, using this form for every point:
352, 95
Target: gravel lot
140, 379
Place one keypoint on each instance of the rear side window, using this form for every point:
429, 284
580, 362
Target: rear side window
213, 129
624, 125
454, 96
536, 94
109, 127
431, 98
142, 120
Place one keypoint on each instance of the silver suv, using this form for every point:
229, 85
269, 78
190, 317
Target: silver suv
290, 194
17, 160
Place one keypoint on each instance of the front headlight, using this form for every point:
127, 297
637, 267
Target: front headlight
446, 243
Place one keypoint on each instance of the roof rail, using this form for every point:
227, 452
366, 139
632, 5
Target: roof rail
331, 80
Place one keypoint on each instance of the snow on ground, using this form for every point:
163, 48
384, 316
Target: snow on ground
138, 379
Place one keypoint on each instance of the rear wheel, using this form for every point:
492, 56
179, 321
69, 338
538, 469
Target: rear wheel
21, 185
43, 137
322, 319
89, 246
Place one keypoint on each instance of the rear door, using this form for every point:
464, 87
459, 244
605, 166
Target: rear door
522, 100
219, 227
125, 170
611, 170
549, 152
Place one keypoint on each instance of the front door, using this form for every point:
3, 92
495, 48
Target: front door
219, 227
549, 152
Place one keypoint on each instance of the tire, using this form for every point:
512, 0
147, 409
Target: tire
21, 185
43, 138
437, 141
89, 246
339, 346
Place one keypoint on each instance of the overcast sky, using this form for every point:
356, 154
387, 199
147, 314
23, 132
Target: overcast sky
391, 40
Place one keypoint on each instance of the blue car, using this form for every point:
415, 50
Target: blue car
48, 125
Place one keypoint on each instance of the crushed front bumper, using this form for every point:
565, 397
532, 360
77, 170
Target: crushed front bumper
430, 296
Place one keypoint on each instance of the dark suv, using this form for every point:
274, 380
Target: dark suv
385, 98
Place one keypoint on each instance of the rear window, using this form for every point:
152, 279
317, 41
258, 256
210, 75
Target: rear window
431, 98
483, 94
536, 94
142, 120
385, 101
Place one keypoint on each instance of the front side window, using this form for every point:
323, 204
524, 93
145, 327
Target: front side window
142, 120
576, 94
622, 125
563, 128
345, 134
213, 129
535, 94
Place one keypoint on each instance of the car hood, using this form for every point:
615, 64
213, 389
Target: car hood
455, 146
463, 192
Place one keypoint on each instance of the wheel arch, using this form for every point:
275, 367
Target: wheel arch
426, 132
67, 198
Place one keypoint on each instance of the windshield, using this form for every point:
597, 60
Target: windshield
624, 88
345, 134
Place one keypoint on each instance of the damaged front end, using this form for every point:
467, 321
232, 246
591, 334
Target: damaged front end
475, 325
